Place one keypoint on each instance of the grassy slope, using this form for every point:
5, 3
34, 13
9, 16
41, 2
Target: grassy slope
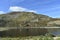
23, 19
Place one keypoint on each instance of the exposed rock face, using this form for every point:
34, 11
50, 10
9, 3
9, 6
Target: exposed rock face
54, 23
23, 19
27, 19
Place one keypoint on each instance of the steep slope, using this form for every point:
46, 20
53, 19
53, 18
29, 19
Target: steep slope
23, 19
54, 22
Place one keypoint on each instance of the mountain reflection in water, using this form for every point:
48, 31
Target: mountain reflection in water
54, 31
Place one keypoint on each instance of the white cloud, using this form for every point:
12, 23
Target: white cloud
32, 11
2, 12
15, 8
21, 9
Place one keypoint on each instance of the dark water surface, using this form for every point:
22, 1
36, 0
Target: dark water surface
55, 31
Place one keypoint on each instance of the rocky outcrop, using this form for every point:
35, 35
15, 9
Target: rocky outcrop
23, 19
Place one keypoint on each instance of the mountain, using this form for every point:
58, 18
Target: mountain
25, 19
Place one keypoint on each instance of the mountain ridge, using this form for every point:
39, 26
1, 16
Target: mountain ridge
24, 19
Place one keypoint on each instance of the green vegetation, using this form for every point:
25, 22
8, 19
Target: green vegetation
29, 38
22, 19
58, 39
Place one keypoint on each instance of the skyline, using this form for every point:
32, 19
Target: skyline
46, 7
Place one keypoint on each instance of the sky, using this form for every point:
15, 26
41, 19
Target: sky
46, 7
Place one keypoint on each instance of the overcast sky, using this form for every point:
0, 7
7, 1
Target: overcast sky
47, 7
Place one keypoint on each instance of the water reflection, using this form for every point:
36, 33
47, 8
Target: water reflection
54, 31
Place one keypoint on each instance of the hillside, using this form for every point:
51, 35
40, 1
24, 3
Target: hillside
24, 19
